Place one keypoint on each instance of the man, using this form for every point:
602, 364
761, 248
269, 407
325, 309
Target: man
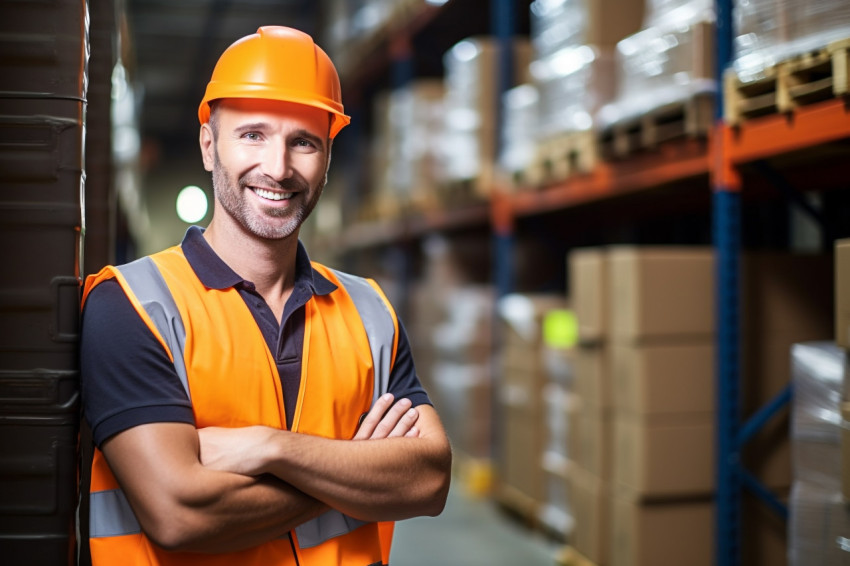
250, 407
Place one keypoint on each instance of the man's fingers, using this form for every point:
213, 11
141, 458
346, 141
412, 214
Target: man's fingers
386, 420
373, 417
405, 423
391, 419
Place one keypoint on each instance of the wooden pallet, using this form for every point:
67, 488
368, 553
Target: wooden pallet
810, 77
525, 508
560, 157
529, 177
462, 192
569, 556
691, 118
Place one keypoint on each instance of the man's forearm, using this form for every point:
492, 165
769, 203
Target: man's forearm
262, 511
181, 505
385, 479
397, 466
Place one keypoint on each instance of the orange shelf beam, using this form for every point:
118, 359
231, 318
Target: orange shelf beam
755, 139
670, 164
806, 127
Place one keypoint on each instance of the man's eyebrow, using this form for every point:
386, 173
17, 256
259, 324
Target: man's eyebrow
253, 126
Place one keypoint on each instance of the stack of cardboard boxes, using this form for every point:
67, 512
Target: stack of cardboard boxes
662, 350
470, 109
591, 424
521, 422
645, 429
645, 433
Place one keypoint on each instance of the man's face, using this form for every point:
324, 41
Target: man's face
269, 162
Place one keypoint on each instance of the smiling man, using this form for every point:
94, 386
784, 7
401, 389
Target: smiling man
250, 406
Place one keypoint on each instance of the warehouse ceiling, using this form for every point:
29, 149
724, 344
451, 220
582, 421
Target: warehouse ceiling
174, 47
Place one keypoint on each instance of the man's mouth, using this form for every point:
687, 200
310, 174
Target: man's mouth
271, 195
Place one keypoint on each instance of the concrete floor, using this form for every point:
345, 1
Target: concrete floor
469, 532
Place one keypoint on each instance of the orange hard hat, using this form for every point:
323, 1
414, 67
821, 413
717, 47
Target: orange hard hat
277, 63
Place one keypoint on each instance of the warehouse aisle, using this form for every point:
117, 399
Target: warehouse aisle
470, 532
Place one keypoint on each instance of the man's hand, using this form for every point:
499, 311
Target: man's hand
385, 420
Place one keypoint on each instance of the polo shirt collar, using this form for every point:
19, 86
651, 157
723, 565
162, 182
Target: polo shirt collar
215, 274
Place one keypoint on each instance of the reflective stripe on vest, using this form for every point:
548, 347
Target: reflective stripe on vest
111, 514
153, 293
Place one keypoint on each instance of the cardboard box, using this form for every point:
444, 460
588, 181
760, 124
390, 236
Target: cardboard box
661, 293
519, 460
593, 378
609, 21
586, 269
664, 379
591, 442
664, 458
662, 534
591, 504
842, 293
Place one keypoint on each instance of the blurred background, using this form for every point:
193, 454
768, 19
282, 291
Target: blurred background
616, 231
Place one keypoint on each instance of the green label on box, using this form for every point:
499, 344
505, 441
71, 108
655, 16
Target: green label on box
560, 328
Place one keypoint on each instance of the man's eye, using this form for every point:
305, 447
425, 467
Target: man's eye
252, 136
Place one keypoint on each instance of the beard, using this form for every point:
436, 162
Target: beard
271, 223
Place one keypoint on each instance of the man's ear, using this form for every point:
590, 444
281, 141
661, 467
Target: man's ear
207, 142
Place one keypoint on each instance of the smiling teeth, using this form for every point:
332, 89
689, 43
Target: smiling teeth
272, 195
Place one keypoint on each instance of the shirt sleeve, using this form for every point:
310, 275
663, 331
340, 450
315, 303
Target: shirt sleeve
127, 378
404, 382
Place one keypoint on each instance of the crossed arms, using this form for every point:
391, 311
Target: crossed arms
221, 490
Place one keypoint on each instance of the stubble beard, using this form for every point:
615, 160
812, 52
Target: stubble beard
234, 202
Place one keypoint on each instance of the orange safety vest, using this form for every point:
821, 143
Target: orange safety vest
232, 381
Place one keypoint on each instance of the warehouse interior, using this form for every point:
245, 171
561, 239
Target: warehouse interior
617, 233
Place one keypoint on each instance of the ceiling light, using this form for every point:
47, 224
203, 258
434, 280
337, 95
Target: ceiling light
191, 204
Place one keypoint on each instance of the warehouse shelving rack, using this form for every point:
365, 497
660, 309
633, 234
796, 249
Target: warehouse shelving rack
717, 162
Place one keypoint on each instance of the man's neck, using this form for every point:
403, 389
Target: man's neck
268, 264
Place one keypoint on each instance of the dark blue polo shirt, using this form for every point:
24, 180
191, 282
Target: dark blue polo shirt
126, 376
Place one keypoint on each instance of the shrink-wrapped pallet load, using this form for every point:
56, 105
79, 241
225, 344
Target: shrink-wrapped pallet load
819, 519
668, 63
468, 152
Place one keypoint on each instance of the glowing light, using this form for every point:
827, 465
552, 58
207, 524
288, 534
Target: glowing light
191, 204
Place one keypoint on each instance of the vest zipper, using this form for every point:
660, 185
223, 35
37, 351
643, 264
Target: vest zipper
292, 544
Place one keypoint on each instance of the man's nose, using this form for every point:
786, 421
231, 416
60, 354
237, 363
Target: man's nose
276, 160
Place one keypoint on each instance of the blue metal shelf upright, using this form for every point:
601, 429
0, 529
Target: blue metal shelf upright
732, 433
727, 242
